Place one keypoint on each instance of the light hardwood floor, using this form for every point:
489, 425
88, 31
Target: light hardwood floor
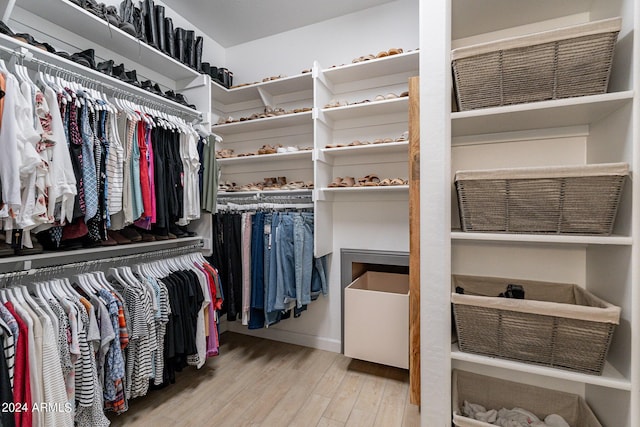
257, 382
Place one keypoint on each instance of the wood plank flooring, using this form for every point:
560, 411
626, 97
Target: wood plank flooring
257, 382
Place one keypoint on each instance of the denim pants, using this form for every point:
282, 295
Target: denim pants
286, 262
319, 278
256, 312
271, 223
304, 263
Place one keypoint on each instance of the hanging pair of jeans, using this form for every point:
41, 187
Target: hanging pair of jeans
304, 262
285, 297
256, 312
271, 223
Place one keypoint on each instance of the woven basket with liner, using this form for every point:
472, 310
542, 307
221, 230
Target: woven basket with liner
494, 393
559, 199
562, 63
557, 324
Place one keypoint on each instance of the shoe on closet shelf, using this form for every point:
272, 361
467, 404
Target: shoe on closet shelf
85, 58
106, 67
118, 237
160, 234
131, 234
109, 241
336, 103
187, 233
131, 77
27, 38
152, 87
118, 72
289, 149
147, 236
4, 29
180, 98
36, 249
176, 231
363, 58
403, 137
112, 17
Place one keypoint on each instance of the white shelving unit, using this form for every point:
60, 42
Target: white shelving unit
363, 119
318, 128
86, 25
248, 136
586, 130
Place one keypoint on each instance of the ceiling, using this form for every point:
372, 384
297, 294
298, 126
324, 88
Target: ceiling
232, 22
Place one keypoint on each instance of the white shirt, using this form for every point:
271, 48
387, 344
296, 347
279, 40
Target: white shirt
10, 159
63, 181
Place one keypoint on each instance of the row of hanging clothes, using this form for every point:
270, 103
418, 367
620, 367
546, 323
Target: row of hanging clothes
78, 346
264, 251
77, 163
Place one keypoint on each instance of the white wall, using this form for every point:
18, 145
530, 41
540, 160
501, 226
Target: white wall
333, 42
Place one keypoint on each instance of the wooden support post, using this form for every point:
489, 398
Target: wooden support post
414, 240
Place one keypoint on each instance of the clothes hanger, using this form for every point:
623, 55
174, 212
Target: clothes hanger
3, 66
105, 281
16, 295
27, 297
78, 279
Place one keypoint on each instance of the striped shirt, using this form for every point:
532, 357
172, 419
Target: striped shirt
9, 340
115, 166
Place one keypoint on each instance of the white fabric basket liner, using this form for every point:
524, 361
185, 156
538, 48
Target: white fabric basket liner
542, 298
591, 28
602, 169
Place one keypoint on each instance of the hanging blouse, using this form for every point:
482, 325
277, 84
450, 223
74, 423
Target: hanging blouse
63, 191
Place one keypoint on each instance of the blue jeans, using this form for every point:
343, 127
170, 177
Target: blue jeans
256, 312
303, 256
319, 278
286, 262
270, 271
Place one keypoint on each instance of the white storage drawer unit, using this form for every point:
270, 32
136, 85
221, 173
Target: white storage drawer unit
376, 316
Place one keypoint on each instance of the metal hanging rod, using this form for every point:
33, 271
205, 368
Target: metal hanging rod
7, 278
235, 196
26, 55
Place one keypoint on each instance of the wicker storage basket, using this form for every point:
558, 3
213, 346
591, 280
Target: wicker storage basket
561, 200
557, 324
494, 393
562, 63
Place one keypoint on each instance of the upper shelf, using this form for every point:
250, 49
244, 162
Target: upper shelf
93, 75
582, 110
368, 109
358, 150
276, 122
568, 239
281, 86
72, 17
407, 62
262, 158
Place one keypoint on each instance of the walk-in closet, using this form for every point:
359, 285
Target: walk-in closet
364, 213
